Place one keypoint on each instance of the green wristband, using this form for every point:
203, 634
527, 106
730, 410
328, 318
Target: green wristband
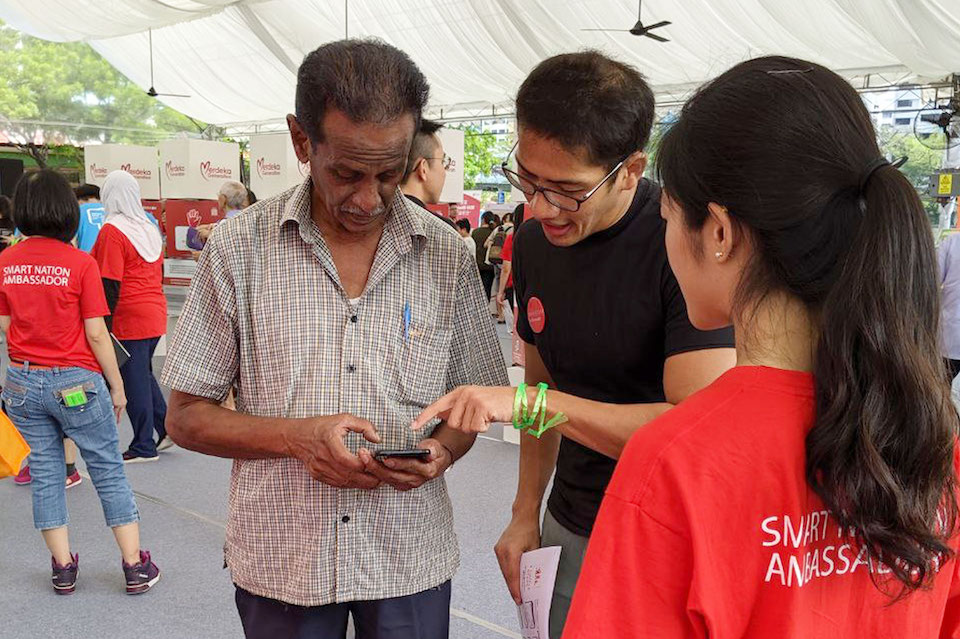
538, 405
520, 399
540, 408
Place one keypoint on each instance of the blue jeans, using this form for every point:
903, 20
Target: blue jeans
33, 403
145, 403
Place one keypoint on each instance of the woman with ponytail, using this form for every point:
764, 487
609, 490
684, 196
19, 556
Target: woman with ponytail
810, 491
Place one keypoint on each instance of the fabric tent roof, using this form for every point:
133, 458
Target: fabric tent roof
238, 58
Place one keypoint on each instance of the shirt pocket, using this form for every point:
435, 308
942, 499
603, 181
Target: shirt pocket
424, 359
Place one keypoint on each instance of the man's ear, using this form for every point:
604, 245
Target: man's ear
633, 168
299, 138
421, 169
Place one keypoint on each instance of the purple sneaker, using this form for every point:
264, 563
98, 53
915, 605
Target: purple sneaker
65, 577
141, 576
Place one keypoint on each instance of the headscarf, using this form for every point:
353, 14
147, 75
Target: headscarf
120, 196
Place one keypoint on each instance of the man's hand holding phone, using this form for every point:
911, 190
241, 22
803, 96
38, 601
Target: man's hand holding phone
318, 443
405, 472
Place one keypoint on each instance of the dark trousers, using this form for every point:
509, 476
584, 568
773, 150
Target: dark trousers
425, 615
486, 278
145, 404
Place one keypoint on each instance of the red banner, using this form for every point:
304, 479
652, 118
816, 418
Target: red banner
181, 218
469, 209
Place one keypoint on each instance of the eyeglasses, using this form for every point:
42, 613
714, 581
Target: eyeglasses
447, 161
556, 198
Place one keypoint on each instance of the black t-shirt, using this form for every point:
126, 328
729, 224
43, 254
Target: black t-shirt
612, 314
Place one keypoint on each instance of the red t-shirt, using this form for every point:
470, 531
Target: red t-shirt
506, 254
141, 311
709, 529
48, 288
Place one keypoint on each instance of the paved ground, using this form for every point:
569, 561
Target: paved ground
183, 502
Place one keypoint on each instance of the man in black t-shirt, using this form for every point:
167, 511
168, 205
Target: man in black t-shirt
599, 309
601, 314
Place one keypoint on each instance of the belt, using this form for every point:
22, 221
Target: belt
16, 364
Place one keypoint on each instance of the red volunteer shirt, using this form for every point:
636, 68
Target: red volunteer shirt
141, 311
506, 254
709, 529
48, 288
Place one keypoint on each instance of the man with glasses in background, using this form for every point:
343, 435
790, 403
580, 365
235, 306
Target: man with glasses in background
426, 170
599, 309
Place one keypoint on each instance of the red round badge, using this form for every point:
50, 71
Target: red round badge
536, 316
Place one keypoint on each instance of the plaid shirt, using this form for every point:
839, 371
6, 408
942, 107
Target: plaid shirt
267, 314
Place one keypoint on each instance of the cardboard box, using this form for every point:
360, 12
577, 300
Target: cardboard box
178, 272
138, 161
195, 169
452, 140
274, 166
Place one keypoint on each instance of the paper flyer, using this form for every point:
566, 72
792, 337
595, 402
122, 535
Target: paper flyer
538, 573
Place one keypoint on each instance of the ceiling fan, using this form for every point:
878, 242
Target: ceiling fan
938, 127
152, 92
640, 29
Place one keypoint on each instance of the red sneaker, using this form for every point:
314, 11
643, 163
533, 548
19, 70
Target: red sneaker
23, 477
74, 479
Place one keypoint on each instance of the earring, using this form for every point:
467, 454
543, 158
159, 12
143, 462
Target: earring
719, 254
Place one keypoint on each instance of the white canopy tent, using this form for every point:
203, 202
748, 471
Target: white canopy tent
238, 58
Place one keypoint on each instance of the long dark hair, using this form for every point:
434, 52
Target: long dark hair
787, 147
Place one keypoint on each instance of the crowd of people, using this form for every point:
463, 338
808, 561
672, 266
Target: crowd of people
733, 375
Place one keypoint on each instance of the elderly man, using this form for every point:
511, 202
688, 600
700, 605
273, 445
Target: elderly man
232, 199
339, 311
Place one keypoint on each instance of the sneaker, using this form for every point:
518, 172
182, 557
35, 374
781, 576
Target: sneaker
142, 576
133, 458
74, 479
165, 444
65, 577
23, 477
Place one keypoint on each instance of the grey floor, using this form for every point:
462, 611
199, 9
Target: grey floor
183, 499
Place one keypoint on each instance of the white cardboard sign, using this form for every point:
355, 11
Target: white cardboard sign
195, 169
138, 161
274, 166
452, 140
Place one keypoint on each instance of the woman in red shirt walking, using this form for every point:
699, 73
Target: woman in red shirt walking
810, 491
129, 253
52, 308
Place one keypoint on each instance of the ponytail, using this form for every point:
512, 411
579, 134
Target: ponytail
880, 454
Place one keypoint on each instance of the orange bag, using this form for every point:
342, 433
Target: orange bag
13, 448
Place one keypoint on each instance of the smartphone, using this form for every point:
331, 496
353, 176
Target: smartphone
410, 453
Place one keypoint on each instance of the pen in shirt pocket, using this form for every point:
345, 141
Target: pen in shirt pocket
406, 321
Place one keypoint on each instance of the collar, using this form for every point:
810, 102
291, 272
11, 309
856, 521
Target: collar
415, 200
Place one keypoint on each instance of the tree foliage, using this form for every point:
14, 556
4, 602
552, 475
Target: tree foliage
482, 152
44, 83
